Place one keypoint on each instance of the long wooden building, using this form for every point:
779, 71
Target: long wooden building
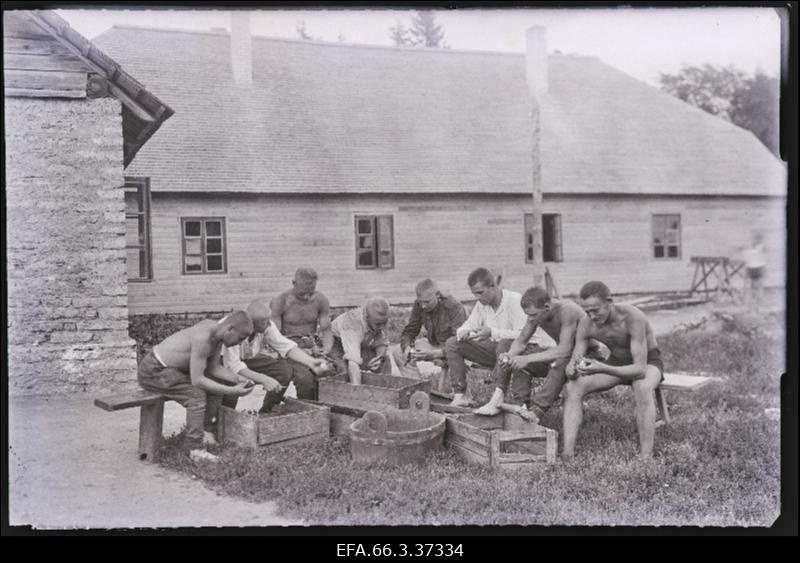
380, 166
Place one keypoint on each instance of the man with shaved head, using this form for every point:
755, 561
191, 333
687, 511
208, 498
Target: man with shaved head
302, 314
440, 315
359, 340
252, 358
186, 368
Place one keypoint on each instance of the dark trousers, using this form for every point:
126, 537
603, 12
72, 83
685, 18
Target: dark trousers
522, 379
483, 352
367, 353
176, 385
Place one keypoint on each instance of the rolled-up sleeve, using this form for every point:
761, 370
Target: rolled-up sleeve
279, 342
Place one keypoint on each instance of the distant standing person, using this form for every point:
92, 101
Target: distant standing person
178, 368
302, 314
440, 315
634, 360
755, 262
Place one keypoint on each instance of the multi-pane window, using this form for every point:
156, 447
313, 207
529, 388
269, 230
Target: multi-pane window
551, 238
203, 240
374, 241
137, 229
666, 236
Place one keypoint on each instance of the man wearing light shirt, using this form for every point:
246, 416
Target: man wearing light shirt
497, 315
251, 359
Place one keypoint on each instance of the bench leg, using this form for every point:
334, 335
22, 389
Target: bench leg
661, 405
151, 420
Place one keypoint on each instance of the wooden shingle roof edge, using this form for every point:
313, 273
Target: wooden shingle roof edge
140, 102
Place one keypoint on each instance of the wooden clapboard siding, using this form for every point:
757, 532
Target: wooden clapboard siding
37, 65
438, 236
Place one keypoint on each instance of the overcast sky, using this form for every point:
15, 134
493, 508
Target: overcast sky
639, 41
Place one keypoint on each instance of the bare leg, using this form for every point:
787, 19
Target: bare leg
644, 394
573, 405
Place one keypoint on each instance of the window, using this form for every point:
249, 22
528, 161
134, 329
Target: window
374, 241
551, 238
203, 245
666, 236
137, 229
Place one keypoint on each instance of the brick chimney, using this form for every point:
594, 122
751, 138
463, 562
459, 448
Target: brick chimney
241, 49
536, 60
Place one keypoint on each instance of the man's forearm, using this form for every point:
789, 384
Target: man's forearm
630, 372
300, 357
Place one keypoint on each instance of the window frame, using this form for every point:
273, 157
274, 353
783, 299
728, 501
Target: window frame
204, 237
665, 244
376, 234
528, 242
140, 186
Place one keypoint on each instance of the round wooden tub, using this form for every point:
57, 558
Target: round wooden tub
398, 436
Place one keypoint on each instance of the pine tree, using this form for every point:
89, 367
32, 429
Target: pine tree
399, 34
425, 32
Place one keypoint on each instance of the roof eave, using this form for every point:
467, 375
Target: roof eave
142, 105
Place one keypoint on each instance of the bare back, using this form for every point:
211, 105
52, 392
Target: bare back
567, 313
176, 350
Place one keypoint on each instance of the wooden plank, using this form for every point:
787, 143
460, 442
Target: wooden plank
151, 421
681, 382
494, 449
45, 80
517, 458
338, 409
42, 46
237, 427
127, 400
340, 423
459, 428
468, 449
25, 61
36, 93
514, 435
552, 445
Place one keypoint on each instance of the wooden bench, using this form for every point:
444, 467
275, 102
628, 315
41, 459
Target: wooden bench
151, 418
677, 382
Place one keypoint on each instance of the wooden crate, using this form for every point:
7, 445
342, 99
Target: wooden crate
292, 421
376, 392
503, 441
341, 417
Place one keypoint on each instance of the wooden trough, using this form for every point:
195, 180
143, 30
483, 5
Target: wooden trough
376, 392
398, 436
292, 421
503, 441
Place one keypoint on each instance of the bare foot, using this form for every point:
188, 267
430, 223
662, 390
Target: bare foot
202, 455
488, 410
209, 439
461, 400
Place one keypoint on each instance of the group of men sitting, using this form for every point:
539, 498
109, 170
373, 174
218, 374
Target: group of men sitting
582, 348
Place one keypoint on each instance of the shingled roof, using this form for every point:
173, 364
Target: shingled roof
142, 112
338, 118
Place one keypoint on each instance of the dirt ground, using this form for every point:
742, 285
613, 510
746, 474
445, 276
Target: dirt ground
73, 465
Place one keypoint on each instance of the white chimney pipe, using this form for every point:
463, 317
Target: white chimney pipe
536, 60
241, 49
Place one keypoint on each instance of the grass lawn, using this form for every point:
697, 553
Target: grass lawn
717, 464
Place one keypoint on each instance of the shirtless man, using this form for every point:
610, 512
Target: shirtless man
177, 368
524, 359
301, 314
634, 360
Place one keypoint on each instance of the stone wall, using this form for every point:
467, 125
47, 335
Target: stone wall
67, 281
